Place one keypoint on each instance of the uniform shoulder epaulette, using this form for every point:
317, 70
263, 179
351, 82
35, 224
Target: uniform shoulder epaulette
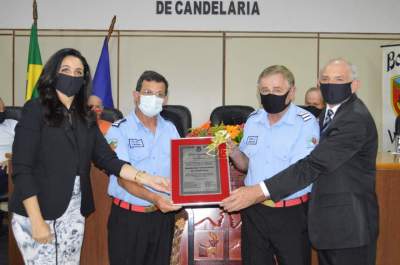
254, 113
305, 115
118, 122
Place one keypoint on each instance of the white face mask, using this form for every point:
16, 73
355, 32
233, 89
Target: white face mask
150, 105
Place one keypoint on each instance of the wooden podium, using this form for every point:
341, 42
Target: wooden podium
388, 192
210, 236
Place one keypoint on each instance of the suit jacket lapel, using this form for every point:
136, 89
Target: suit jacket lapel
321, 119
339, 113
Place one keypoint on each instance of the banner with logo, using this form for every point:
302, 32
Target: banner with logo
390, 93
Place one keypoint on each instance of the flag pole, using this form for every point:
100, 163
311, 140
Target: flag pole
35, 13
35, 65
111, 28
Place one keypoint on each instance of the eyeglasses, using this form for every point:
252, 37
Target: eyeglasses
147, 92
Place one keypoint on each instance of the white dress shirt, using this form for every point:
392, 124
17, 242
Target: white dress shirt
6, 137
333, 108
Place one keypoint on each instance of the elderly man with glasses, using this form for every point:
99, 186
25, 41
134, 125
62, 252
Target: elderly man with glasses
141, 221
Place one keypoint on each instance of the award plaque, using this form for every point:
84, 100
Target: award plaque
197, 176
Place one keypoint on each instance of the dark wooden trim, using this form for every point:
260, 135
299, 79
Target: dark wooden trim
342, 38
390, 45
271, 37
46, 29
173, 34
61, 35
314, 32
121, 35
121, 30
205, 36
208, 31
169, 36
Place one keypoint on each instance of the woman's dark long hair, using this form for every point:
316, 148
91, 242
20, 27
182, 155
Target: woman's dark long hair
54, 109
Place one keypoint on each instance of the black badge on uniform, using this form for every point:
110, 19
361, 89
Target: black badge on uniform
251, 140
134, 143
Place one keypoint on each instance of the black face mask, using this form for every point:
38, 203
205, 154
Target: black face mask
274, 103
313, 110
69, 85
335, 93
2, 117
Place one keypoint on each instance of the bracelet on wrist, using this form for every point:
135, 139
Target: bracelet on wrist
139, 176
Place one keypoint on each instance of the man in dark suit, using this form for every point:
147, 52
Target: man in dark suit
343, 209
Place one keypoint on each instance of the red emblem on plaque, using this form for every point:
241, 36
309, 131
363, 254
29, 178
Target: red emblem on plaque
395, 87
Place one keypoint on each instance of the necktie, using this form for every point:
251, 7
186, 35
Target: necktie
328, 118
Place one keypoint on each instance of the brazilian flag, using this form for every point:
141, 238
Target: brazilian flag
34, 65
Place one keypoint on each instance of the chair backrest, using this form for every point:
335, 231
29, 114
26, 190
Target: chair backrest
180, 116
230, 114
111, 115
13, 112
313, 110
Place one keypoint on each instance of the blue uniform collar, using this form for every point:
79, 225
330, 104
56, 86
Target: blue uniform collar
288, 117
139, 123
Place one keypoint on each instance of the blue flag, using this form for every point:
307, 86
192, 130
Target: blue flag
102, 78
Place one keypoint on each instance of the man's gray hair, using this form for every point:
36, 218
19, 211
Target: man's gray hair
352, 67
278, 69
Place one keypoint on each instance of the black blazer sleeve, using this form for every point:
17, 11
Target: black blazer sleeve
25, 150
339, 146
104, 157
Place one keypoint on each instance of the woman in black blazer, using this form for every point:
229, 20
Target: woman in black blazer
55, 142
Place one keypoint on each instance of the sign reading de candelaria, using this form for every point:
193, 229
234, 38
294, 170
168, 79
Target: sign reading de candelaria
193, 7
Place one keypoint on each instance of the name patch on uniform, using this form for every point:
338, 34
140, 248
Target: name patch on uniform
251, 140
134, 143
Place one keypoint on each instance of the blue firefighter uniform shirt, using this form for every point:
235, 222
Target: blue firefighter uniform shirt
147, 151
271, 149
